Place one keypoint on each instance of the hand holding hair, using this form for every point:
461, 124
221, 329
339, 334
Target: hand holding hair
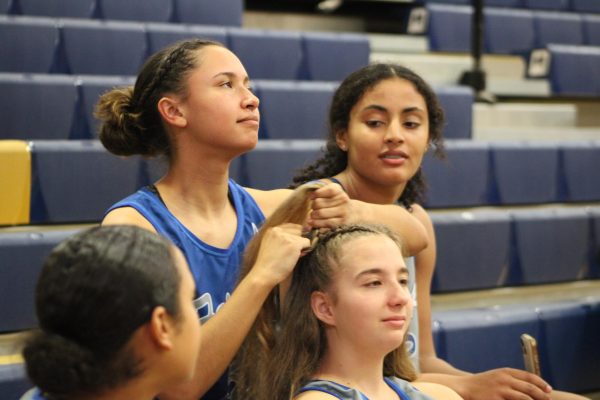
331, 207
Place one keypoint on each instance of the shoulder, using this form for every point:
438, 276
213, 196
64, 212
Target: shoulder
437, 391
314, 395
419, 213
127, 216
269, 200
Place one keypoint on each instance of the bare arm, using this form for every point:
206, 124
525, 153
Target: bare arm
497, 384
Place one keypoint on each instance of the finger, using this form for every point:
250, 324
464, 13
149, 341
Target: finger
327, 213
329, 223
329, 202
531, 378
329, 190
293, 229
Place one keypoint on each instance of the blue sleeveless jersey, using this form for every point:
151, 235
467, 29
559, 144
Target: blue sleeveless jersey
402, 388
215, 270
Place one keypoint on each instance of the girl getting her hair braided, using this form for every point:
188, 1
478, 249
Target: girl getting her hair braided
192, 103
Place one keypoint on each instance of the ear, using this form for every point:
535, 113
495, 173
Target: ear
162, 328
321, 306
341, 138
170, 112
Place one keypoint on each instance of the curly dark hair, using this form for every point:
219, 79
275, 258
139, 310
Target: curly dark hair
348, 94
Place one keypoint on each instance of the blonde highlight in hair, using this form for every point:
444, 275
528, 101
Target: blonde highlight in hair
287, 342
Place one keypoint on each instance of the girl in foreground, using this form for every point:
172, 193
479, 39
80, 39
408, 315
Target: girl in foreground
117, 319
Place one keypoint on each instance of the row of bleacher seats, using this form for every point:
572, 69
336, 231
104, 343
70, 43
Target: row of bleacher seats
574, 5
496, 248
476, 250
45, 106
449, 29
59, 185
222, 13
480, 339
78, 46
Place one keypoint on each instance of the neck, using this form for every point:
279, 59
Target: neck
360, 188
358, 368
137, 389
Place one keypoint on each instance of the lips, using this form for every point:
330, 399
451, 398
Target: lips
395, 321
393, 155
250, 119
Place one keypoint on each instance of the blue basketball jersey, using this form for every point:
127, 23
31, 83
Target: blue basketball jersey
215, 270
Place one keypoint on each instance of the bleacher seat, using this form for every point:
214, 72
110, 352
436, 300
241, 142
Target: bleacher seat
457, 102
467, 161
90, 88
28, 44
558, 5
561, 344
76, 181
15, 177
294, 110
589, 6
57, 8
473, 250
13, 380
333, 56
595, 243
519, 39
449, 27
550, 244
525, 172
557, 27
103, 47
37, 106
273, 163
591, 29
573, 70
504, 3
23, 254
137, 10
480, 339
588, 378
163, 35
268, 54
210, 12
580, 163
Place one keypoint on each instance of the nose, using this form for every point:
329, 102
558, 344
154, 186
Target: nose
394, 133
399, 295
250, 100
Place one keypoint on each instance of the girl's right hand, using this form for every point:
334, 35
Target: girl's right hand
279, 252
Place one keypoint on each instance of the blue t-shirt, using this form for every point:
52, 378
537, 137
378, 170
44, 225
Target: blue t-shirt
215, 270
402, 388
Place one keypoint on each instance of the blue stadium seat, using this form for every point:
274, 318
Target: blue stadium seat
589, 6
103, 47
268, 54
137, 10
557, 27
561, 344
37, 106
547, 4
23, 254
525, 172
591, 29
460, 2
58, 8
550, 245
479, 339
333, 56
273, 163
90, 88
580, 163
13, 381
574, 70
588, 379
28, 44
76, 181
472, 250
163, 35
504, 3
519, 39
449, 27
210, 12
467, 161
457, 102
294, 110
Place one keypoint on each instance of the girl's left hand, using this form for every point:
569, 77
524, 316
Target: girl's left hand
331, 207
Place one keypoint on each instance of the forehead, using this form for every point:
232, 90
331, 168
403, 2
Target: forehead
369, 251
392, 93
213, 60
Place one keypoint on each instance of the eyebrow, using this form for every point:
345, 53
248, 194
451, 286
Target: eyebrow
232, 75
378, 107
376, 271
